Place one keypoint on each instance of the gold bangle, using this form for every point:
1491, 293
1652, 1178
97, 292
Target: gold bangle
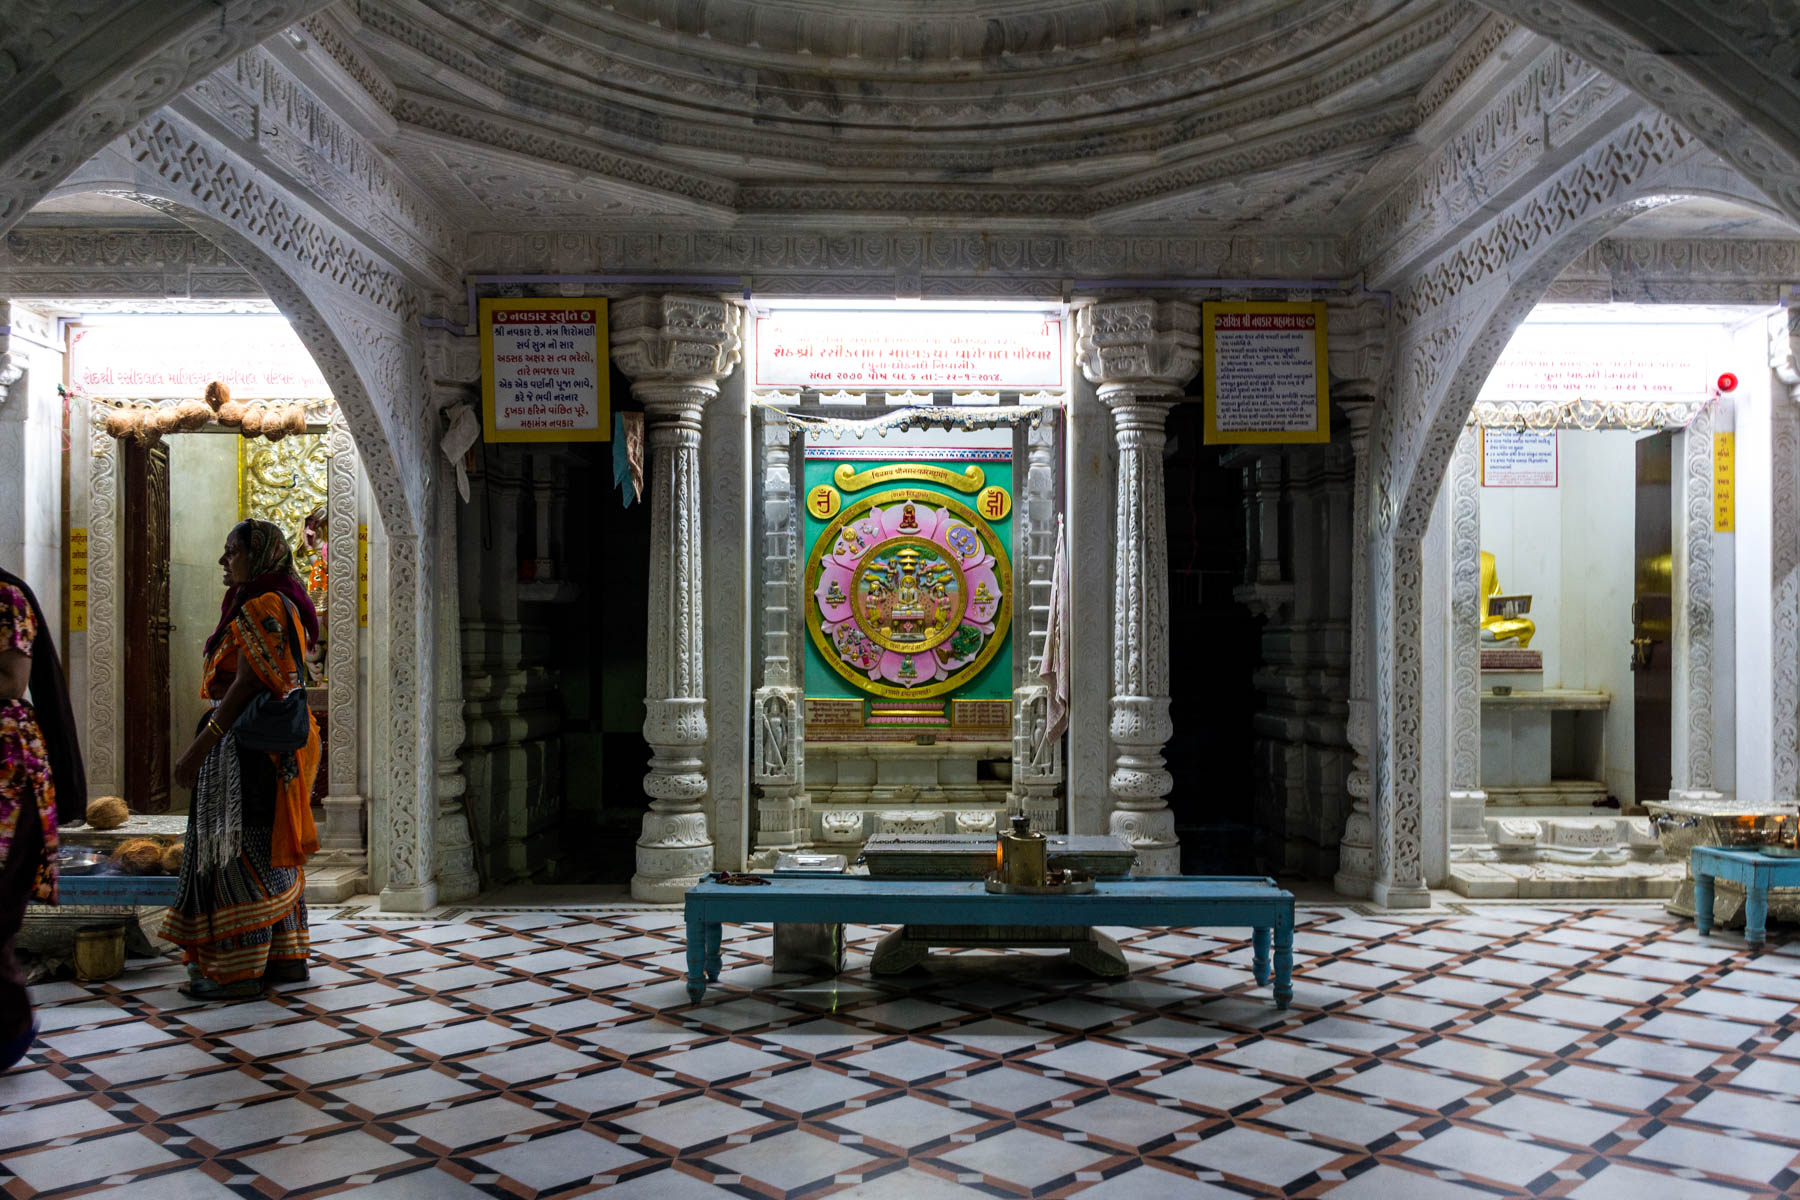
212, 723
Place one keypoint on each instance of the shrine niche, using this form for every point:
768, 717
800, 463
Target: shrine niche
908, 592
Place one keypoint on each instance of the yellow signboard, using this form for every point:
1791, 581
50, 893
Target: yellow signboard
545, 370
1724, 482
362, 576
77, 576
1266, 373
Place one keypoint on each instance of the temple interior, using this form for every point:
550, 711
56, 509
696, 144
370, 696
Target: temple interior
1330, 469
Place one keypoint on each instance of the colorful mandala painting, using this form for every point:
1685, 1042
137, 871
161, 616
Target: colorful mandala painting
908, 594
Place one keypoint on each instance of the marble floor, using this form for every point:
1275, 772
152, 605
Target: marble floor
1602, 1053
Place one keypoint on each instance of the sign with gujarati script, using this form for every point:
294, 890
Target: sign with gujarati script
1724, 482
1264, 366
1600, 363
174, 357
882, 350
544, 370
1518, 458
78, 580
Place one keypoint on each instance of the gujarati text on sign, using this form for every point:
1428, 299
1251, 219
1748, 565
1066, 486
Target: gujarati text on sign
1518, 458
259, 357
883, 350
544, 371
1264, 365
1724, 483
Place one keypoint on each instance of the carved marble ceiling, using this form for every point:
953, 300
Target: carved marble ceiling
1283, 112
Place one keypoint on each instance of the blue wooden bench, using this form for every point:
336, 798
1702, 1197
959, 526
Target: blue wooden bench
1173, 901
106, 890
1758, 872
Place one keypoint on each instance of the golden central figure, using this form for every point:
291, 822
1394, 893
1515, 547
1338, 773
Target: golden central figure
1500, 628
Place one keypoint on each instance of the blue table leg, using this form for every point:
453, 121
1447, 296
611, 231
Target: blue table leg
1284, 958
1259, 962
1756, 909
1703, 902
714, 933
696, 958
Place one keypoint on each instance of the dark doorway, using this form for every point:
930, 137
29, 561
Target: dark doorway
144, 616
1652, 618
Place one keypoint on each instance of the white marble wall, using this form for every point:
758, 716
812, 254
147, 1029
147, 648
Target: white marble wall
31, 457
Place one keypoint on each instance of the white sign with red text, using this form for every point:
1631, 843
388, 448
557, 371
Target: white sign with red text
149, 357
886, 350
1601, 363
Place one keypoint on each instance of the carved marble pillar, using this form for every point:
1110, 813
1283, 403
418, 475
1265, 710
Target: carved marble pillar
456, 875
1037, 758
410, 795
778, 715
1140, 354
1468, 802
675, 349
1356, 851
1784, 607
1692, 774
341, 867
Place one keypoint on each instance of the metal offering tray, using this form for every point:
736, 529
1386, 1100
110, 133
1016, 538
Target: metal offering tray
1076, 884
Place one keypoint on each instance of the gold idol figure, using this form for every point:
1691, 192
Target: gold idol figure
1497, 627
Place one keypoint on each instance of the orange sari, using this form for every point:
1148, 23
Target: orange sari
234, 922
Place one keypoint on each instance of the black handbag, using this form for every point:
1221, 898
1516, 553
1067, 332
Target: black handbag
276, 725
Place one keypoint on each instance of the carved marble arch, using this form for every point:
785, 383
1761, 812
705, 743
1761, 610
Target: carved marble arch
1455, 317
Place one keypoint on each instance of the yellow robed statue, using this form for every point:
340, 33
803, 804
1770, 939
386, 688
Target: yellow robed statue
1498, 627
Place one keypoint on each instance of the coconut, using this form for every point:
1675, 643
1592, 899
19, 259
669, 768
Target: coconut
232, 413
195, 414
139, 856
166, 419
252, 423
217, 395
171, 859
119, 422
107, 812
296, 418
273, 428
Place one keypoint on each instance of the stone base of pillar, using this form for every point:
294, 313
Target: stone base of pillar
1152, 835
667, 867
422, 898
1356, 859
1390, 895
335, 884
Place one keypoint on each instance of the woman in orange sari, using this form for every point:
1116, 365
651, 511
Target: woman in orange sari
241, 914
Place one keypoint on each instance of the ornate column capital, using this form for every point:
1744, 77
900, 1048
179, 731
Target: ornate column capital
685, 341
1784, 349
1356, 335
1139, 348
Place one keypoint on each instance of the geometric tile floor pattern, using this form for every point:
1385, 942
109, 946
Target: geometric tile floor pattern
1595, 1053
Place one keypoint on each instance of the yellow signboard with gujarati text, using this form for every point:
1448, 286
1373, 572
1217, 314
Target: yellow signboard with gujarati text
362, 576
1724, 482
77, 576
969, 479
1265, 369
544, 370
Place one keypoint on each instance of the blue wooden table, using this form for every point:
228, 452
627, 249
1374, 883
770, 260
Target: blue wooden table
1758, 872
118, 889
1176, 901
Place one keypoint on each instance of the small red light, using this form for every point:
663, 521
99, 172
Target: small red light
1728, 382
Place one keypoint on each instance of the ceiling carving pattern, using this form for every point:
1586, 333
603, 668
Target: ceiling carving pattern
278, 123
67, 89
119, 264
1086, 124
1686, 271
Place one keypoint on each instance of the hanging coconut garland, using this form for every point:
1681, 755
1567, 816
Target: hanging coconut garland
252, 418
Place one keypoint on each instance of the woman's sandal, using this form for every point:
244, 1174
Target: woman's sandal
206, 989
